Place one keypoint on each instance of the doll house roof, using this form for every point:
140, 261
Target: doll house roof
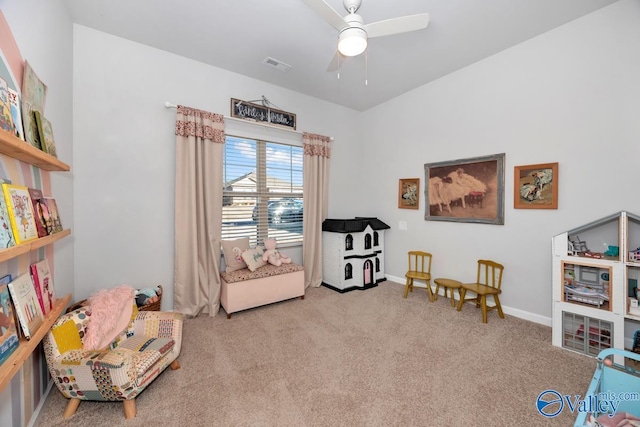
355, 225
607, 219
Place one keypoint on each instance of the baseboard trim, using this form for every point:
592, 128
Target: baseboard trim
43, 398
515, 312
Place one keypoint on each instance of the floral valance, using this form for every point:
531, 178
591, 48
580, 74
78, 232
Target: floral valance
199, 123
316, 145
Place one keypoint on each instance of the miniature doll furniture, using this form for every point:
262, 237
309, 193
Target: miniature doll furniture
419, 269
123, 369
488, 282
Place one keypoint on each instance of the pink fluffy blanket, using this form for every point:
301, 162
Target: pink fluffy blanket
111, 311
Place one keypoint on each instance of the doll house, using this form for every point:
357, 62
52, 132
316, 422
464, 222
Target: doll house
595, 279
353, 253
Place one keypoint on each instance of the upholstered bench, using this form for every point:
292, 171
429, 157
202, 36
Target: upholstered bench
244, 289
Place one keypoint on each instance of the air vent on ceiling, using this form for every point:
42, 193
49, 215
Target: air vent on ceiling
279, 65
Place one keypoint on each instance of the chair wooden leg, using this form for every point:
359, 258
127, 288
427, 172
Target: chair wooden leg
453, 301
407, 286
71, 408
430, 292
130, 409
463, 293
435, 295
483, 303
498, 306
175, 365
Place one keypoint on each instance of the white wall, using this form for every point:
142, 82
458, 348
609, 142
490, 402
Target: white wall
569, 96
566, 96
125, 145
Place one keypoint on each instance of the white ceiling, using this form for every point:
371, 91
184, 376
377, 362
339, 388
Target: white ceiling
237, 35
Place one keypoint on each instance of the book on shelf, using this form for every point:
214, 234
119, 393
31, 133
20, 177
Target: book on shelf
23, 223
8, 332
13, 86
16, 115
37, 203
6, 234
34, 94
36, 140
43, 283
46, 216
45, 134
52, 208
26, 304
6, 120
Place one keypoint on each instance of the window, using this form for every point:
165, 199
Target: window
377, 265
262, 194
348, 272
367, 241
348, 242
375, 238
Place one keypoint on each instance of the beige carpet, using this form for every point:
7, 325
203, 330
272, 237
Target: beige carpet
363, 358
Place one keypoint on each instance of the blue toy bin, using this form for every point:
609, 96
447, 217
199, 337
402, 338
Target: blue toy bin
613, 378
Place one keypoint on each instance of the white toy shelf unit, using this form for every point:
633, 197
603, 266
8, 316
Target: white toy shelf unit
353, 253
596, 269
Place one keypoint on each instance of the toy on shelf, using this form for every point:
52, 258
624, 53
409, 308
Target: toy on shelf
636, 341
585, 294
576, 246
612, 251
589, 254
596, 336
634, 255
146, 296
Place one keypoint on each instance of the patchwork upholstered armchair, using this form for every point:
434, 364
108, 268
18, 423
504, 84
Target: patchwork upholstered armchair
121, 370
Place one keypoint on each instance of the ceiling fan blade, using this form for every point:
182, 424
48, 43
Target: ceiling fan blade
336, 62
403, 24
327, 13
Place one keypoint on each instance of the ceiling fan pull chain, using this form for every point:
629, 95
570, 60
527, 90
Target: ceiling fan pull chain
366, 68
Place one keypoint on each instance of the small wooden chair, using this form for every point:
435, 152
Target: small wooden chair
488, 282
419, 269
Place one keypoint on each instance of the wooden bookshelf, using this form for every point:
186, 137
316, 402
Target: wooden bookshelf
13, 364
31, 245
22, 150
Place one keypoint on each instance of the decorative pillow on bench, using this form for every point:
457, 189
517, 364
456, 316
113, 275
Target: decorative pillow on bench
253, 258
232, 250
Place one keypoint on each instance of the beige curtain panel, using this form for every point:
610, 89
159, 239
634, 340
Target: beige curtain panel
198, 211
317, 152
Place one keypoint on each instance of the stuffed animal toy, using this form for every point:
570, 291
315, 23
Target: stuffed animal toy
272, 255
146, 296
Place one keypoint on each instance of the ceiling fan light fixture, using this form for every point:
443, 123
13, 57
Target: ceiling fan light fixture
352, 41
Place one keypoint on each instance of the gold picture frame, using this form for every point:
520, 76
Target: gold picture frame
536, 186
409, 193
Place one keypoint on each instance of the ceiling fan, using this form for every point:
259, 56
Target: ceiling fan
352, 31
